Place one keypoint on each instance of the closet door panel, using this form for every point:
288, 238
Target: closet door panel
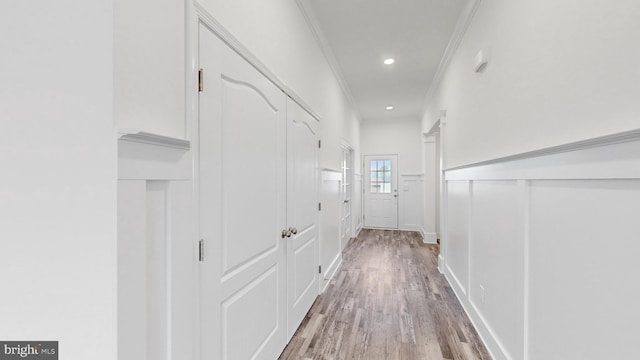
302, 213
242, 189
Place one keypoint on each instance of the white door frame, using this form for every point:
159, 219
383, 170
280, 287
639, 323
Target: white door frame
436, 135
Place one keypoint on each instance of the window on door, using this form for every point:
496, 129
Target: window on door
381, 176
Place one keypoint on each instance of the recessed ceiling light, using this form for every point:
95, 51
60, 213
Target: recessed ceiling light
389, 61
389, 107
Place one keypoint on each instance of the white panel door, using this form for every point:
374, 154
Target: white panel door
302, 213
381, 191
242, 186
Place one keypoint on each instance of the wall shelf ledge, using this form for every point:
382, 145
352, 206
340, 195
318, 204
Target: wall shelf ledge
153, 139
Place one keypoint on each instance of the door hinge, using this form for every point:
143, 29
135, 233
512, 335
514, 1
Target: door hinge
201, 250
319, 269
200, 80
319, 144
319, 206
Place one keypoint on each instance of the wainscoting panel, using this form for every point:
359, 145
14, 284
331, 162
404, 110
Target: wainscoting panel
156, 251
356, 206
542, 250
459, 202
411, 193
496, 257
584, 265
330, 249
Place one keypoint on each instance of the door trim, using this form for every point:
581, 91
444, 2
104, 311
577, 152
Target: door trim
366, 179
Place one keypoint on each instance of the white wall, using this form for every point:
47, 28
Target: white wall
527, 242
558, 73
403, 137
149, 66
58, 193
394, 136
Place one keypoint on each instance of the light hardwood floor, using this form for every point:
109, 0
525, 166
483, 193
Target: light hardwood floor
387, 301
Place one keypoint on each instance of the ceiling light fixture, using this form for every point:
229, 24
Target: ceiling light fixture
389, 61
389, 107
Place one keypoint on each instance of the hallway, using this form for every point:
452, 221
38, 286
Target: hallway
387, 301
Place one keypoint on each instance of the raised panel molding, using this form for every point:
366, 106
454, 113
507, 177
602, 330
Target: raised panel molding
531, 234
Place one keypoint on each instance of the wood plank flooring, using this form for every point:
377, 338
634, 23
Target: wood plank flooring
387, 301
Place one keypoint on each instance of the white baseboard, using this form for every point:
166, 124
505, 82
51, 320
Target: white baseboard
358, 231
441, 264
411, 227
487, 336
331, 271
429, 238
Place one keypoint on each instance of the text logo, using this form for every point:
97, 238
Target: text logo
28, 350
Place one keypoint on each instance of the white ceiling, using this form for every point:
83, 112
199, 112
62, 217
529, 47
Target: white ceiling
360, 34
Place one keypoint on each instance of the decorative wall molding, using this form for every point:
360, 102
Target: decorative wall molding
580, 193
607, 140
310, 17
209, 20
152, 157
611, 156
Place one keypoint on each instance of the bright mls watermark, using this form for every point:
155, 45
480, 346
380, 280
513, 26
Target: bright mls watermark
29, 350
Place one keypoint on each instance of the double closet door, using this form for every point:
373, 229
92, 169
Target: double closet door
257, 166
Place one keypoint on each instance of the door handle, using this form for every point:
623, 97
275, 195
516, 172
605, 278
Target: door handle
293, 231
346, 201
286, 233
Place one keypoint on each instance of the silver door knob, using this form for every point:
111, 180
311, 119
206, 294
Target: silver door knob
286, 233
293, 230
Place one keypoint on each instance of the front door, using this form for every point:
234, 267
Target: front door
242, 185
381, 191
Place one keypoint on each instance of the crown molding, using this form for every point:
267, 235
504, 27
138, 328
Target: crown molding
312, 22
208, 20
454, 42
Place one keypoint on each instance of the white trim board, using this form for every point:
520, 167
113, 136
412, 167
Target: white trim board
612, 156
